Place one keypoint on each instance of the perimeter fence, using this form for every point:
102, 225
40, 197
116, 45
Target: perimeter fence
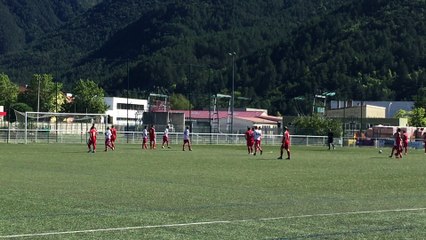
20, 136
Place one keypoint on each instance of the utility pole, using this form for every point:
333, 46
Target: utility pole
233, 54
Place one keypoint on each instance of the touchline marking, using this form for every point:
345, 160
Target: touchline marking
208, 223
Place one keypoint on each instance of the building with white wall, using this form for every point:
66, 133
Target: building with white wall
364, 111
391, 107
123, 111
201, 120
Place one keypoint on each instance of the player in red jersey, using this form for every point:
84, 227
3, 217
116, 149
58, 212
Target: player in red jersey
152, 138
404, 139
249, 135
113, 136
285, 144
91, 144
397, 144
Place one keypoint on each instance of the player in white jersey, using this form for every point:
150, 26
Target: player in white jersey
144, 138
108, 135
186, 139
166, 137
257, 140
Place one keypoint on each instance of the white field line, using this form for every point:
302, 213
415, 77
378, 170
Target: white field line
208, 223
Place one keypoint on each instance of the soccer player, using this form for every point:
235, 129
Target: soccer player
249, 140
152, 138
91, 144
257, 140
424, 141
113, 136
397, 144
330, 139
166, 137
404, 138
285, 144
186, 140
108, 136
144, 138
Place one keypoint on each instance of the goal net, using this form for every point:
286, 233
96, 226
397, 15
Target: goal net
46, 127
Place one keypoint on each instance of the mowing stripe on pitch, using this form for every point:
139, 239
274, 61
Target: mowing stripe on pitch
207, 223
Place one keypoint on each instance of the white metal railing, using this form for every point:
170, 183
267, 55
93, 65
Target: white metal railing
135, 137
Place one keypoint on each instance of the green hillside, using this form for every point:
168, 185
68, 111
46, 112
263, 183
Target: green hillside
22, 21
284, 49
367, 50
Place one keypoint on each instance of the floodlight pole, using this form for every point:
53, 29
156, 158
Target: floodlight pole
75, 103
38, 108
190, 96
360, 126
232, 91
127, 108
38, 97
56, 109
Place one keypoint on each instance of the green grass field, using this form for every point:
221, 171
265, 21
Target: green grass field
214, 192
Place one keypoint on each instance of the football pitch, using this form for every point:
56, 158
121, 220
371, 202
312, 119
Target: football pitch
214, 192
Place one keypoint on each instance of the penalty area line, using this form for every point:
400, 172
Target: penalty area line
207, 223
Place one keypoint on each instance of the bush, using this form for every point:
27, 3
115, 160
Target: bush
317, 125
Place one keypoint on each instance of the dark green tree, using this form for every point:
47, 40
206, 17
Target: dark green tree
417, 117
317, 125
89, 97
179, 102
43, 94
8, 91
20, 107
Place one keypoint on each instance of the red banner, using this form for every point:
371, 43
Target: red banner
2, 114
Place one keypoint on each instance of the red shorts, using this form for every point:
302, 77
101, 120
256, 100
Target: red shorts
285, 145
185, 141
144, 140
165, 139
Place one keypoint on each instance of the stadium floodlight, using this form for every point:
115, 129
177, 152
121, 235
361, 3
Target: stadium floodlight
329, 94
158, 95
243, 98
324, 97
221, 96
158, 105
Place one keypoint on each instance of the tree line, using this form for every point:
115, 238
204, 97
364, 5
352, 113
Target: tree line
285, 51
44, 94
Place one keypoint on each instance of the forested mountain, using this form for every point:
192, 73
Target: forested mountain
364, 49
24, 21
